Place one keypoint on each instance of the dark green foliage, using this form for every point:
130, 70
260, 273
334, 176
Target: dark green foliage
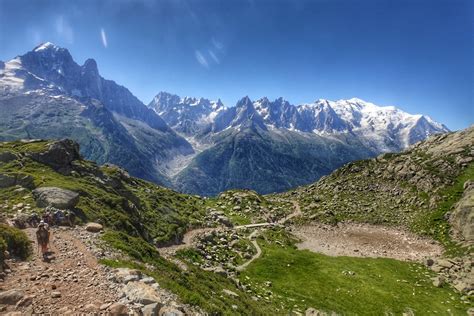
15, 241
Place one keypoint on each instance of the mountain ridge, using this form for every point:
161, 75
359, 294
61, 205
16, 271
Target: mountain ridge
268, 146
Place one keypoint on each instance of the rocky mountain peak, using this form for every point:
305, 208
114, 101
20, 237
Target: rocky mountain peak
90, 65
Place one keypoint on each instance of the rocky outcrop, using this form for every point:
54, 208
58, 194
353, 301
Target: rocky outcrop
462, 217
55, 197
7, 156
456, 271
12, 179
59, 155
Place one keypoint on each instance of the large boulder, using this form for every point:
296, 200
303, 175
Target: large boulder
462, 218
59, 155
6, 156
139, 292
11, 297
55, 197
11, 179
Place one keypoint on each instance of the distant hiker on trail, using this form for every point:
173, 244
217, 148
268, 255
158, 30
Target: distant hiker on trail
48, 218
42, 236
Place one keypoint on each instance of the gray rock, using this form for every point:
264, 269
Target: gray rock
151, 309
118, 309
55, 197
11, 297
59, 155
55, 294
6, 156
230, 293
139, 292
131, 278
94, 227
170, 311
314, 312
11, 179
462, 218
438, 281
148, 280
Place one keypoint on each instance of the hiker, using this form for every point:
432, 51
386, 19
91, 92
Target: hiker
42, 236
47, 217
70, 217
34, 220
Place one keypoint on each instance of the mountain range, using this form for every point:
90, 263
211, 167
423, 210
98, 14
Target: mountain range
195, 145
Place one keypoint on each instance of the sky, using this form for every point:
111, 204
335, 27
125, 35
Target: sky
417, 55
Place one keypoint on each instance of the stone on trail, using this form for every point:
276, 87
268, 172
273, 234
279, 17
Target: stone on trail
94, 227
118, 309
55, 197
11, 297
55, 294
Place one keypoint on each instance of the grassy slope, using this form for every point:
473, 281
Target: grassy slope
302, 279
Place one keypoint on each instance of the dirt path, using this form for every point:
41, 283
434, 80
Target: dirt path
253, 240
363, 240
69, 282
169, 252
297, 212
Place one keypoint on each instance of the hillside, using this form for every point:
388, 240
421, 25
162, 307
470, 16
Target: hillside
229, 242
414, 189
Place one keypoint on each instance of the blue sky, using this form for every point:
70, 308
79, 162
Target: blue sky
417, 55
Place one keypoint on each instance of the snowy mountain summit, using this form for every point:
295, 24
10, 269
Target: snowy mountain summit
382, 128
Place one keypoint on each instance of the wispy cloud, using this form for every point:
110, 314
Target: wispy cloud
103, 36
218, 45
214, 57
64, 29
201, 59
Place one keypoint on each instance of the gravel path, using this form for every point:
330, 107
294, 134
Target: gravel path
70, 281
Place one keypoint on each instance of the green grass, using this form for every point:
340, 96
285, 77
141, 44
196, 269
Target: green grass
351, 286
15, 241
194, 286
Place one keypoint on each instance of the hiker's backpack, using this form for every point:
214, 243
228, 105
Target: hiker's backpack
42, 235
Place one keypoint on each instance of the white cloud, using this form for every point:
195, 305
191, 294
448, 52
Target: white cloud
64, 29
103, 37
214, 57
201, 59
217, 44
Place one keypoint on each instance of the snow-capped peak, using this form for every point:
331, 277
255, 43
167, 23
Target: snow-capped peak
45, 46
